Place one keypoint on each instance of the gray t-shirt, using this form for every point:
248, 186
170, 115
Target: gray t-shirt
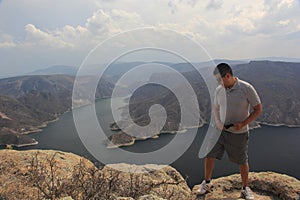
239, 98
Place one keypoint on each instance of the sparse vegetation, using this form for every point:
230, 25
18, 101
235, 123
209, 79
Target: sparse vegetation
52, 174
88, 182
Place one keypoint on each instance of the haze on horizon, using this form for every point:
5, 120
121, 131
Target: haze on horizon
36, 34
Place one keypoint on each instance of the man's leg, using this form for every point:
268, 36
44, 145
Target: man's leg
246, 192
206, 185
244, 170
237, 150
216, 152
209, 166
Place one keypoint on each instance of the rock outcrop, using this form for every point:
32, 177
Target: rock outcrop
156, 180
33, 174
15, 169
48, 174
265, 185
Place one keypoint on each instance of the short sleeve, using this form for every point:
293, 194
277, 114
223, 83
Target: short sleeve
217, 95
252, 96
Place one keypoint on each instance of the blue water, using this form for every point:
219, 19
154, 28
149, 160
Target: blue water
270, 149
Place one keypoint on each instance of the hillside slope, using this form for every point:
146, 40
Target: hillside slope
277, 83
30, 102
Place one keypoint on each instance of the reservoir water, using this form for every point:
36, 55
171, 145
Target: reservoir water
270, 148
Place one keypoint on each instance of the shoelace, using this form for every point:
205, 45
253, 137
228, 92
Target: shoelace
206, 187
247, 192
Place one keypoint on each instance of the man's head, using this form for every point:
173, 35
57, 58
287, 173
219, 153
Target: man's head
224, 75
223, 69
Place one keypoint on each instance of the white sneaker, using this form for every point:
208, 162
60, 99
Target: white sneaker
247, 194
204, 187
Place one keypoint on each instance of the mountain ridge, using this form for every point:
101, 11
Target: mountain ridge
33, 101
56, 69
277, 83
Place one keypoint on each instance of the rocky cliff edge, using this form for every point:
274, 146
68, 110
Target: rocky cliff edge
48, 174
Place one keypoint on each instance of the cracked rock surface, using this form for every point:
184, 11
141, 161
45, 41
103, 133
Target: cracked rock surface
133, 182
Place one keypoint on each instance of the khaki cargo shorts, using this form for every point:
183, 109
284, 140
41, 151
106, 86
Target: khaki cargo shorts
236, 146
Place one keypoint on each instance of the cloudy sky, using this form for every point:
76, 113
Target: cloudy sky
39, 33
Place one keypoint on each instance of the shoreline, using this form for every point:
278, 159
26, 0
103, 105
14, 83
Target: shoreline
40, 128
21, 145
279, 125
26, 145
199, 126
184, 130
44, 124
35, 129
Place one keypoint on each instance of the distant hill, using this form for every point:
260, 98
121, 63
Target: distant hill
276, 59
116, 70
28, 103
56, 69
277, 83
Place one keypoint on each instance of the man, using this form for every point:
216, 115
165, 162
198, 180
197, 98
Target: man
233, 98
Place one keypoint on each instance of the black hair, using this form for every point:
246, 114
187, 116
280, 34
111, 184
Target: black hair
223, 69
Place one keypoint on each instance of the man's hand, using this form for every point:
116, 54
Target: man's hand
220, 125
239, 125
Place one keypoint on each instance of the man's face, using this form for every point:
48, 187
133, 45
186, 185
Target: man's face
224, 81
219, 79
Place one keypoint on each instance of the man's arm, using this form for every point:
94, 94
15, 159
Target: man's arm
219, 124
257, 110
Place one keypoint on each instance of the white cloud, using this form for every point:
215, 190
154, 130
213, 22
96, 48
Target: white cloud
173, 6
178, 5
282, 18
230, 23
197, 28
97, 28
286, 3
126, 20
245, 18
6, 41
37, 37
231, 20
100, 24
214, 4
244, 28
284, 22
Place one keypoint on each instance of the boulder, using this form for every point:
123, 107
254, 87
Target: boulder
265, 185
